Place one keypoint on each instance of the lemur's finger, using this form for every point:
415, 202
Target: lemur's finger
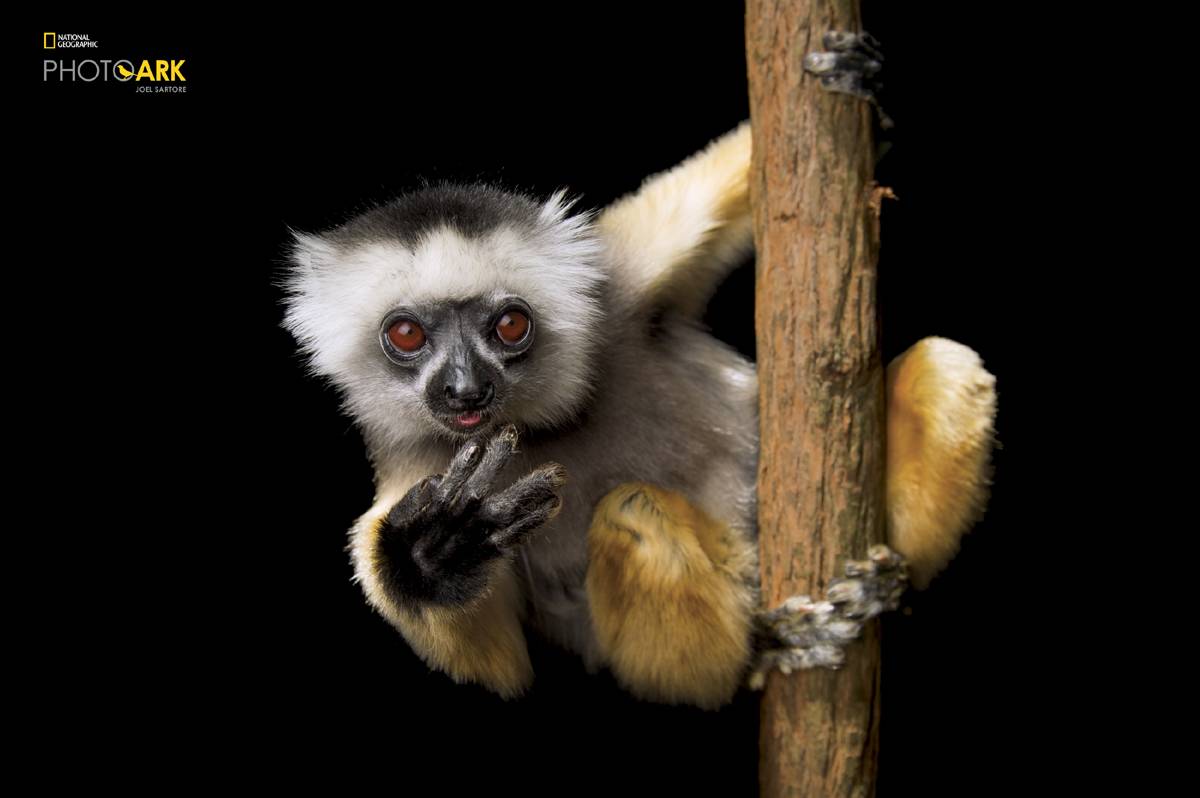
516, 532
459, 470
524, 501
419, 497
499, 449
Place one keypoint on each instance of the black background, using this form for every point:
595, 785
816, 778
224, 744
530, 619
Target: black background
192, 590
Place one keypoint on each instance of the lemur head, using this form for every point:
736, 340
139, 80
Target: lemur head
451, 310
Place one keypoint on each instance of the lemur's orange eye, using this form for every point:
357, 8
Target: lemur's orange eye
406, 335
512, 327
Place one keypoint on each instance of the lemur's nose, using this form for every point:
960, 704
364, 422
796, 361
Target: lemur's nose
464, 392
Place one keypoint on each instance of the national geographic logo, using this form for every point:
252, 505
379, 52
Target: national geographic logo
63, 41
149, 76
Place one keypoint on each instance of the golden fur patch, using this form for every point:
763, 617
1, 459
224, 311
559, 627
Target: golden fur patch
941, 411
481, 642
667, 590
679, 234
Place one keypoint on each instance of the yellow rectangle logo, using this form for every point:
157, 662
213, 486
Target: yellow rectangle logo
48, 40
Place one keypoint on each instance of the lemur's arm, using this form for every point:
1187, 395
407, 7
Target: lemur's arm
431, 556
677, 237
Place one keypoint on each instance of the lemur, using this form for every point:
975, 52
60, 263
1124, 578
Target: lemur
557, 441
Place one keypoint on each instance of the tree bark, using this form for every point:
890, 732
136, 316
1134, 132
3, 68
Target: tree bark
821, 402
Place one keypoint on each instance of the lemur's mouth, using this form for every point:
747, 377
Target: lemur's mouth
468, 419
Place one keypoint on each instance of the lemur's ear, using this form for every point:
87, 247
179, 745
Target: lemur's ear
304, 278
309, 252
558, 207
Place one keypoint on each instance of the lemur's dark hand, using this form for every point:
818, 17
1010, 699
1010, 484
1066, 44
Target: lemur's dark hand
436, 544
851, 65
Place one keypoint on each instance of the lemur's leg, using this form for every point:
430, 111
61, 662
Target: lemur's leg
940, 417
434, 560
941, 411
807, 633
670, 588
671, 596
940, 422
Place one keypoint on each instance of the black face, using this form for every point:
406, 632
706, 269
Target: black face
472, 349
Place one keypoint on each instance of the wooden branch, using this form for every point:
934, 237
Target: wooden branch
821, 403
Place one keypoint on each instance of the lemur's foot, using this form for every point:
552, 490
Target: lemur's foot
851, 66
803, 633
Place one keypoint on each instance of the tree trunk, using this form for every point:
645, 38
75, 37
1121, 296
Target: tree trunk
821, 402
